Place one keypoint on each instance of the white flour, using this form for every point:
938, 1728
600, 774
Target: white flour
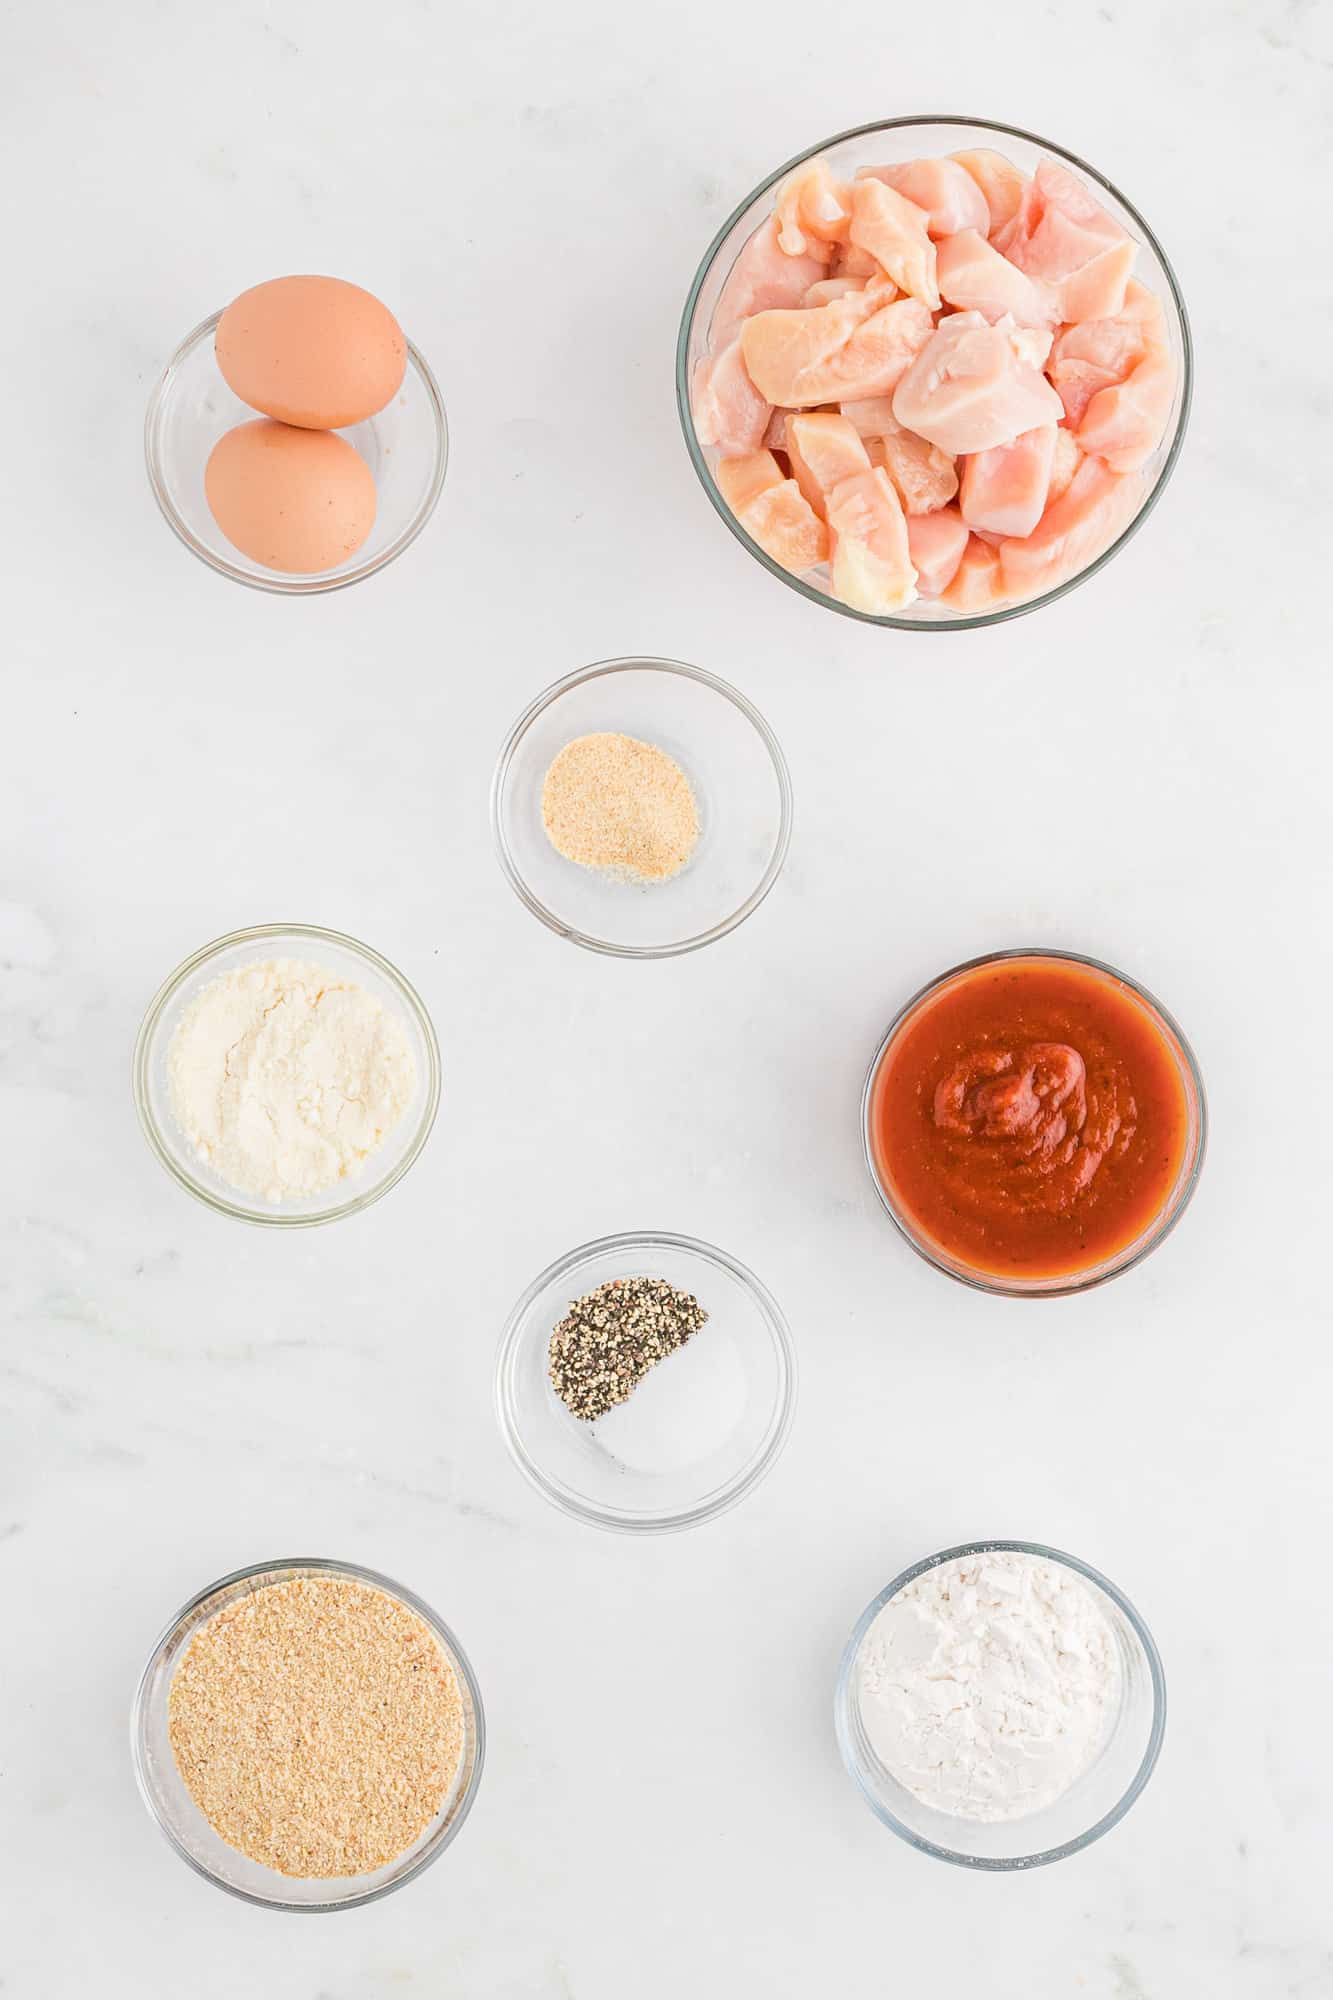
286, 1077
989, 1684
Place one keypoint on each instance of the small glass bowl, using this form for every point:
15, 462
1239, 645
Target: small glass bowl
898, 139
1093, 1804
739, 778
164, 1793
1062, 1285
721, 1407
406, 446
152, 1095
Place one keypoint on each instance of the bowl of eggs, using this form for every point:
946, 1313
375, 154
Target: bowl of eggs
297, 440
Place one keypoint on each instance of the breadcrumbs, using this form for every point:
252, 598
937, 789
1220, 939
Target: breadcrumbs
612, 803
318, 1726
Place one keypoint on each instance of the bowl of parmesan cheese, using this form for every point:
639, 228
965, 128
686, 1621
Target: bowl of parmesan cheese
287, 1075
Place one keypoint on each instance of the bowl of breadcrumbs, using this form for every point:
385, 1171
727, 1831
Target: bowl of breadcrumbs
308, 1735
641, 807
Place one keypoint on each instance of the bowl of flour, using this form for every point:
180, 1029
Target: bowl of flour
1000, 1705
287, 1075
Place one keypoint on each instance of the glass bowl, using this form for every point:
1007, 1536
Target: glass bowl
701, 1429
152, 1095
1091, 1806
1156, 1231
406, 446
739, 778
163, 1790
897, 139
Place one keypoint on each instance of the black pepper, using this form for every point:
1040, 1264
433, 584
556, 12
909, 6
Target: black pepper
611, 1337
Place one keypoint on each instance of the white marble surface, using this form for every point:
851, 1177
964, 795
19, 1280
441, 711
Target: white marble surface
1140, 771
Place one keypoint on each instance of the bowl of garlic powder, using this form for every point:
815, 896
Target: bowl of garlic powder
287, 1075
1000, 1705
641, 807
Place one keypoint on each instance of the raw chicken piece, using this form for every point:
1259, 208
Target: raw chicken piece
775, 437
943, 190
813, 212
976, 584
1098, 353
935, 543
729, 412
1031, 344
772, 510
968, 389
787, 527
1125, 423
871, 564
1000, 182
825, 290
1064, 463
1061, 234
1077, 382
741, 480
893, 231
851, 262
871, 416
975, 276
1117, 380
1004, 490
824, 450
923, 476
786, 345
1114, 344
1086, 519
1100, 286
849, 349
763, 277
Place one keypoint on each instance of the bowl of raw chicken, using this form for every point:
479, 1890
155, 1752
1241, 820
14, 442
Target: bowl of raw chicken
934, 373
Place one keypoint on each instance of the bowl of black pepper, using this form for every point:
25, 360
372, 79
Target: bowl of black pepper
645, 1382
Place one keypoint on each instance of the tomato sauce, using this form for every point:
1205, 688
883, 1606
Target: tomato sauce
1031, 1119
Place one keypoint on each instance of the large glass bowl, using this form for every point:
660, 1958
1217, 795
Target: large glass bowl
1093, 1804
1153, 1233
897, 139
358, 962
406, 446
163, 1789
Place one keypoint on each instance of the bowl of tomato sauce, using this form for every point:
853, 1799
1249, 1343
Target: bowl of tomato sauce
1034, 1122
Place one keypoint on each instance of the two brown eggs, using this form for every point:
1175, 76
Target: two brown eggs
315, 356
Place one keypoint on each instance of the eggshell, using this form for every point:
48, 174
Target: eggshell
295, 500
316, 352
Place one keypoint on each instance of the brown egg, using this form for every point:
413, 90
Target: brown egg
295, 500
316, 352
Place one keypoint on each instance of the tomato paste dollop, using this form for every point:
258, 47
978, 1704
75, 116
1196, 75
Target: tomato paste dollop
1031, 1117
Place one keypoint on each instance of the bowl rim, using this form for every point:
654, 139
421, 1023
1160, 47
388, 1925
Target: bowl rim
993, 1864
1134, 1253
648, 663
172, 1158
722, 1498
275, 582
280, 1569
1002, 614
